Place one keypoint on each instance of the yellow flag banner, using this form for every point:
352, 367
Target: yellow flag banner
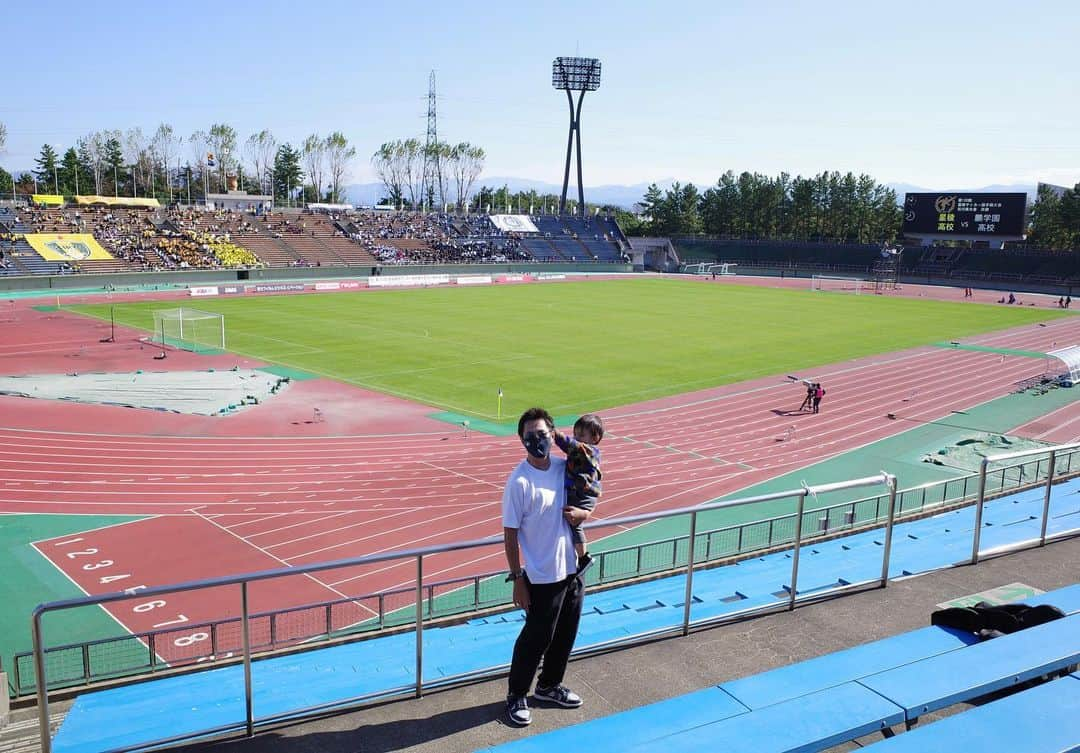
118, 201
67, 247
48, 199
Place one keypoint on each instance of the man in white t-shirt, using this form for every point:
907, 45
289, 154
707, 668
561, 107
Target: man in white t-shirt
536, 521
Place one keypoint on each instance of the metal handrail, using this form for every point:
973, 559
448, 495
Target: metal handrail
418, 554
473, 582
987, 460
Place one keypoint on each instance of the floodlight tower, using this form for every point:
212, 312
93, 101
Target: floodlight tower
574, 75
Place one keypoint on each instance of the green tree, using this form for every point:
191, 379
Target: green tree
114, 163
222, 141
650, 206
69, 172
338, 156
47, 171
288, 176
1070, 218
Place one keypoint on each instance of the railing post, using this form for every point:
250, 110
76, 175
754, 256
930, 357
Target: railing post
245, 638
795, 552
979, 512
891, 481
1046, 499
689, 595
86, 662
419, 625
42, 689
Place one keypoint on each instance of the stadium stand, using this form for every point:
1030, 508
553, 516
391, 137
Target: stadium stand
155, 238
21, 257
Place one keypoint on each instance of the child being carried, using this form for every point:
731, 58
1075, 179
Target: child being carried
582, 474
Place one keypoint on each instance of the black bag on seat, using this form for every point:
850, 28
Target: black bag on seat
988, 621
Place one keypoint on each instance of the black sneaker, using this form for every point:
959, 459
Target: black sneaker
559, 695
517, 711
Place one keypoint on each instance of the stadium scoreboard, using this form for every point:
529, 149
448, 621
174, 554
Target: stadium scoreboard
965, 214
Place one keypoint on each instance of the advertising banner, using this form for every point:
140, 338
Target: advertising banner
403, 281
276, 287
474, 280
204, 290
119, 201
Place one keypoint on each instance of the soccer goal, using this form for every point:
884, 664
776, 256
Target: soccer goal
837, 284
190, 329
713, 268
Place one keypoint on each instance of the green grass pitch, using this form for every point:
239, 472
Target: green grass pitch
574, 346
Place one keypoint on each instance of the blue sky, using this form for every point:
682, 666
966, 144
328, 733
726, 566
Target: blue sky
936, 94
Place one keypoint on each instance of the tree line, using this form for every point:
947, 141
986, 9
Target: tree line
830, 207
419, 175
1055, 218
169, 166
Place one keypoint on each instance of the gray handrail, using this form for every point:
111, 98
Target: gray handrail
418, 554
981, 498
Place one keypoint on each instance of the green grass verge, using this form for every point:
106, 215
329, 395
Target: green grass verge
573, 347
30, 579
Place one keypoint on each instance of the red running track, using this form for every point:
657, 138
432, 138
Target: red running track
228, 504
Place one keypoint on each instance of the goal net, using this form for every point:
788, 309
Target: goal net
837, 284
713, 268
190, 329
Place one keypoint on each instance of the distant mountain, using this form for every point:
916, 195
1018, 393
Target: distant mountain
368, 194
903, 188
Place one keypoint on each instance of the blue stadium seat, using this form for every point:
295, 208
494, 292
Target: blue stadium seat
1038, 720
940, 681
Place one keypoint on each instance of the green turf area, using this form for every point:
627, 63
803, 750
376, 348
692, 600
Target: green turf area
578, 346
30, 579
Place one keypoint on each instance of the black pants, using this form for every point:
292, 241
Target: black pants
551, 626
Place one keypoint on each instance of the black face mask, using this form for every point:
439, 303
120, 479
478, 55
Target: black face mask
537, 446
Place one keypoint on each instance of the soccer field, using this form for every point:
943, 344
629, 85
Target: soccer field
574, 346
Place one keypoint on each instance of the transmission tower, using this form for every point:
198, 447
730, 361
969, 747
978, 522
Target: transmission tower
432, 183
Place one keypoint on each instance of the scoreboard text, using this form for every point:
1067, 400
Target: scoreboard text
964, 213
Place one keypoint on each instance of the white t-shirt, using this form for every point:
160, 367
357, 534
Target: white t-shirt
533, 503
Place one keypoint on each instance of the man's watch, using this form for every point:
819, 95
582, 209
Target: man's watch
514, 575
